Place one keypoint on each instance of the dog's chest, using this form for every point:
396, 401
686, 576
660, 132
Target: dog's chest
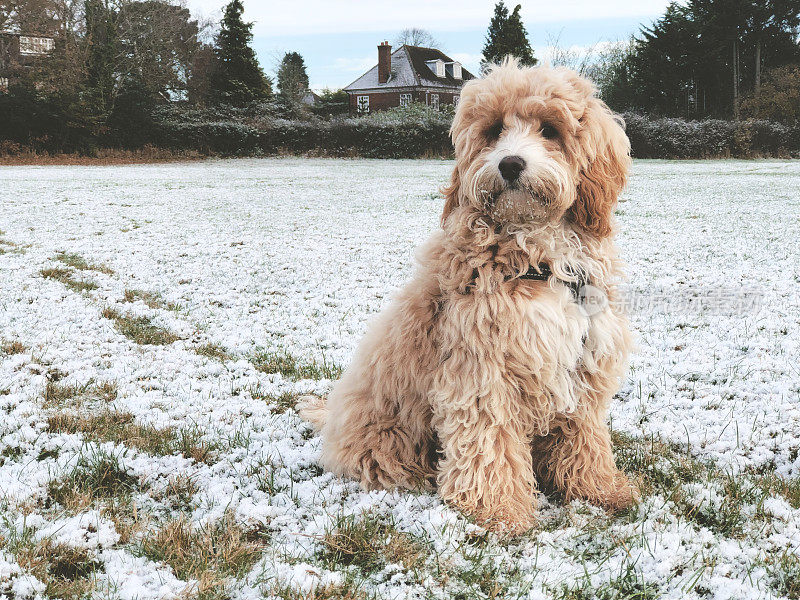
539, 335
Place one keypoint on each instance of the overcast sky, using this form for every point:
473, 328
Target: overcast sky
338, 38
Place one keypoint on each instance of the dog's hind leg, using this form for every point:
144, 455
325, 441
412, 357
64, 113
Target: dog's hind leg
314, 410
377, 418
380, 442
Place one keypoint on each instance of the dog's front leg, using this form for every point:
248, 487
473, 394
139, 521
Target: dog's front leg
486, 470
576, 459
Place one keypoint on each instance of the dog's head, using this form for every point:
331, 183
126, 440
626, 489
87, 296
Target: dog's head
535, 145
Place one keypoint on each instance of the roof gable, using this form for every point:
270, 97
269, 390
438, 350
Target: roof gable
419, 58
409, 69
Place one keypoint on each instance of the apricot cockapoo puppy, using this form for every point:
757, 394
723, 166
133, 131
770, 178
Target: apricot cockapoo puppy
488, 375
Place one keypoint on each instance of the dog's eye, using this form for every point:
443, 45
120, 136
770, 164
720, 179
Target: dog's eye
494, 131
549, 131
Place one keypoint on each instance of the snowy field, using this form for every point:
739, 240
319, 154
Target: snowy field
158, 322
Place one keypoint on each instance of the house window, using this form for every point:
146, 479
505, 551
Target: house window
437, 66
3, 84
435, 101
36, 45
363, 104
405, 99
456, 99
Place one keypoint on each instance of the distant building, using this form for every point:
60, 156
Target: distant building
310, 98
19, 52
409, 74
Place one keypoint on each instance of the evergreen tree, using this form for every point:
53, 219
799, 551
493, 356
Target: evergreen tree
703, 57
237, 78
101, 38
292, 78
507, 36
665, 65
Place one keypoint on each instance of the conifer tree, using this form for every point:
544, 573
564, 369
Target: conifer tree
292, 78
237, 78
507, 36
101, 37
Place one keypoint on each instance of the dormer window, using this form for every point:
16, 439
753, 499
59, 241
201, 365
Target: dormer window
436, 66
454, 70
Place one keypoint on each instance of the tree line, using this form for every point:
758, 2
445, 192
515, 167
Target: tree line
727, 59
724, 59
115, 61
124, 72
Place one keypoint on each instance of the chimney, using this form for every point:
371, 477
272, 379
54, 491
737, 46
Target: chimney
384, 62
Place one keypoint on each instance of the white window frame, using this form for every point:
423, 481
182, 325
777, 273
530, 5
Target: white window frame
362, 104
435, 101
405, 99
437, 67
456, 98
36, 46
4, 84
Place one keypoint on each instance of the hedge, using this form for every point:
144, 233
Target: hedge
43, 124
713, 138
389, 137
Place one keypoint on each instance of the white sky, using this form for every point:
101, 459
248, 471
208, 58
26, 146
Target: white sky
338, 38
292, 17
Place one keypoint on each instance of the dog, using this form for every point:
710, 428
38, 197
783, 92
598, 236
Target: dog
486, 377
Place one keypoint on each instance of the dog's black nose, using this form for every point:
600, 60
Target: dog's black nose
511, 167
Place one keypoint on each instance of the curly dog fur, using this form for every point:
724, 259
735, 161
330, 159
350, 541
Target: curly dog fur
474, 379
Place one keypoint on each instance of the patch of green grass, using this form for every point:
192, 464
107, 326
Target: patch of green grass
628, 585
179, 493
122, 428
213, 351
210, 555
282, 402
664, 469
76, 261
726, 516
96, 476
784, 575
140, 329
659, 467
10, 453
270, 361
65, 276
774, 485
485, 578
67, 572
344, 591
368, 543
57, 394
151, 299
10, 348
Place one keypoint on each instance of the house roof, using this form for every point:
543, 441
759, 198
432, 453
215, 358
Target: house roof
409, 69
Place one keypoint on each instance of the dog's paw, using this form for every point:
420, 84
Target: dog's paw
313, 409
504, 520
621, 494
511, 526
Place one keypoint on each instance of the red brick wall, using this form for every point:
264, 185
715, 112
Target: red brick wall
384, 100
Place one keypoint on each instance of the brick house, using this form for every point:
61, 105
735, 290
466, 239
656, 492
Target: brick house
19, 52
409, 74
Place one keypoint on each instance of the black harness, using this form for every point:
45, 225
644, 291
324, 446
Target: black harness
542, 272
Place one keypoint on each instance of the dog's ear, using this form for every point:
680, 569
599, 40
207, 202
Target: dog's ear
450, 194
603, 177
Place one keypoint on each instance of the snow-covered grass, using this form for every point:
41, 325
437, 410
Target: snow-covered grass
158, 322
